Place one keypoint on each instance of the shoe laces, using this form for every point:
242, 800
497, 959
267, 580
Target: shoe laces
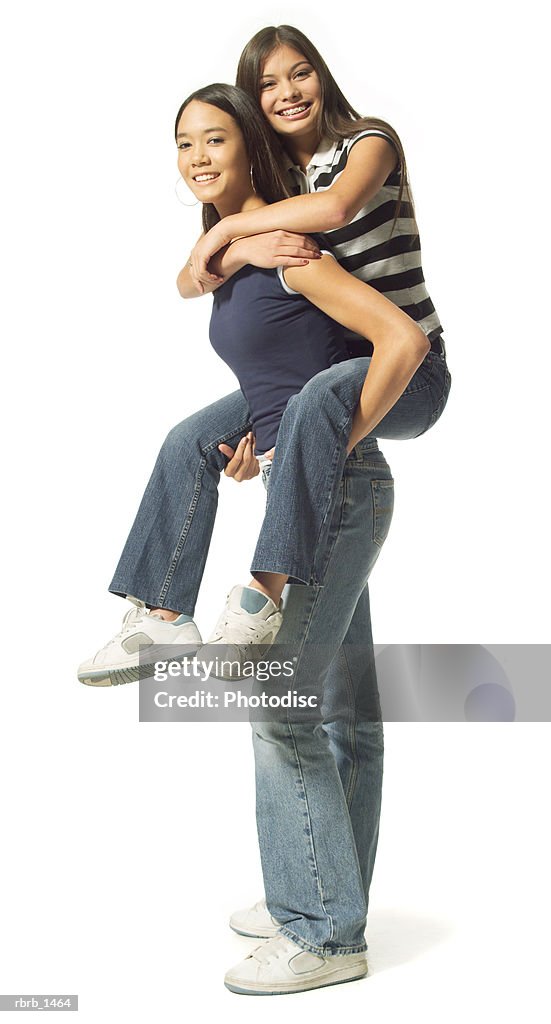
129, 623
273, 949
237, 630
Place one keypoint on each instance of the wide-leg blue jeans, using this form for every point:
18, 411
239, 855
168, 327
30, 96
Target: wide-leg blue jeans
318, 781
163, 560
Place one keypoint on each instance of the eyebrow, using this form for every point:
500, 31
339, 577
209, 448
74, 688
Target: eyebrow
206, 131
298, 63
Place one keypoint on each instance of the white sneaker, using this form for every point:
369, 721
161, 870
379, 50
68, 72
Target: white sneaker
246, 629
280, 965
119, 660
255, 921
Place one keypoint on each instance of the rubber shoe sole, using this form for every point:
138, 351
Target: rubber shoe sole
118, 676
284, 988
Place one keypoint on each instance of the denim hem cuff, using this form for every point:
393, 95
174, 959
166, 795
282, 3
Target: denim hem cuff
322, 950
150, 601
296, 574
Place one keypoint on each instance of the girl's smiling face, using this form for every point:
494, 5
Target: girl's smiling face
290, 94
212, 157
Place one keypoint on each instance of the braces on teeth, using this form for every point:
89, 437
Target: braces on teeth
294, 110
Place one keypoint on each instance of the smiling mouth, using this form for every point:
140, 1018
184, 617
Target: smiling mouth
292, 111
200, 178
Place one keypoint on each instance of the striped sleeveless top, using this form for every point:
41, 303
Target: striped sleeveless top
364, 248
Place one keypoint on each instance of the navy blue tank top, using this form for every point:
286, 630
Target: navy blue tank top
274, 341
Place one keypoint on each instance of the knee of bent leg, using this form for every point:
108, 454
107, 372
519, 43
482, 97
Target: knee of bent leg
184, 436
311, 405
317, 389
334, 391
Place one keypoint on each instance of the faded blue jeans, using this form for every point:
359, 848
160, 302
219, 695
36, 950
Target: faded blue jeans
164, 557
318, 782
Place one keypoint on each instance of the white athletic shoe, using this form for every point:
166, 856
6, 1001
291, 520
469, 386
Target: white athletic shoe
245, 630
255, 922
280, 966
119, 660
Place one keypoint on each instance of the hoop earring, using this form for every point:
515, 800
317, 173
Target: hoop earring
180, 182
252, 179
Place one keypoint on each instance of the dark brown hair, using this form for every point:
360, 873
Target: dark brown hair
263, 149
338, 118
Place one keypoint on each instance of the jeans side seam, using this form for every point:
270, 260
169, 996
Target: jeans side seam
311, 836
441, 403
328, 509
351, 731
330, 544
183, 534
379, 510
305, 631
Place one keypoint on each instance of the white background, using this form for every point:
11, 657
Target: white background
127, 845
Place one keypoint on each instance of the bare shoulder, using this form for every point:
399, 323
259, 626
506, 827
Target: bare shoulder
376, 148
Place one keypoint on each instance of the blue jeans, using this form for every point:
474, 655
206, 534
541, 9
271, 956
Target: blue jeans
318, 782
164, 557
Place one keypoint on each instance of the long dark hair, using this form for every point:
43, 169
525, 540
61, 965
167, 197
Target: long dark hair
338, 118
264, 152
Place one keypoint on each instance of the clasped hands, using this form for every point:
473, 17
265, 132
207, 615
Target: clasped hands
269, 250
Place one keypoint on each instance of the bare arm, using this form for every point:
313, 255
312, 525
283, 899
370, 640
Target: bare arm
368, 166
399, 345
272, 249
223, 265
